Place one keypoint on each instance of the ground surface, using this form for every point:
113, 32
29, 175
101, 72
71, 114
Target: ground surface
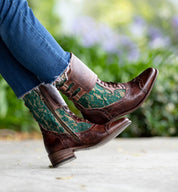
123, 165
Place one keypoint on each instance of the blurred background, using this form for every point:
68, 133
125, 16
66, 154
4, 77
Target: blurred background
117, 39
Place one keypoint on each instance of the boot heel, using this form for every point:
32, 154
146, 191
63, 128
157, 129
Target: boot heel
61, 157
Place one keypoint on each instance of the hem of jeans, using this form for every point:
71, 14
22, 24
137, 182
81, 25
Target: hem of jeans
29, 91
51, 82
63, 71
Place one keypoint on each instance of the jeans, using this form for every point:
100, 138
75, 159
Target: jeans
29, 55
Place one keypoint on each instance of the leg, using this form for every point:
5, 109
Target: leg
65, 133
20, 79
29, 42
38, 52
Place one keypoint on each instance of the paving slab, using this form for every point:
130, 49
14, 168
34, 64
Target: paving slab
123, 165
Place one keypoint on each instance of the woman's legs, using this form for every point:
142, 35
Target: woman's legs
37, 51
60, 141
20, 79
29, 42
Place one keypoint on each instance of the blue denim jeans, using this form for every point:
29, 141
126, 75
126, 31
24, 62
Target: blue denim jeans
29, 55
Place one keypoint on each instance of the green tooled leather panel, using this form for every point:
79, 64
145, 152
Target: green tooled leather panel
61, 82
100, 97
75, 126
41, 113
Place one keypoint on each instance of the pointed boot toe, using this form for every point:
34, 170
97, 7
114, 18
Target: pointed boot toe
99, 101
118, 126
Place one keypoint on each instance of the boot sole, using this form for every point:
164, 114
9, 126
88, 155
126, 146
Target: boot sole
67, 155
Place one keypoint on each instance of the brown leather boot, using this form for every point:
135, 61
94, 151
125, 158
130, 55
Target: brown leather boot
63, 132
99, 101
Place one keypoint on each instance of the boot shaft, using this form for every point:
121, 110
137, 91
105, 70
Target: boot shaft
61, 129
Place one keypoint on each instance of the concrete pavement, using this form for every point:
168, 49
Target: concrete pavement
123, 165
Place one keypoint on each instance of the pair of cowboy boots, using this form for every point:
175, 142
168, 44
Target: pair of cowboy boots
101, 104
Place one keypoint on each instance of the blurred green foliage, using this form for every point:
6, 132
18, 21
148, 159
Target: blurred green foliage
44, 11
118, 13
13, 114
158, 116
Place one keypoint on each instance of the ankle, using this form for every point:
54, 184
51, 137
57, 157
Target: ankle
78, 80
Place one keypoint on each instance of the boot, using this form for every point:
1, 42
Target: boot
63, 132
99, 101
